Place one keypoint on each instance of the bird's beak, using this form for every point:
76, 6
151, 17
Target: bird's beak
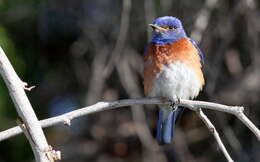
157, 28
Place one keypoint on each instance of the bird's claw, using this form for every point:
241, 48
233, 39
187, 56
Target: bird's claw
174, 103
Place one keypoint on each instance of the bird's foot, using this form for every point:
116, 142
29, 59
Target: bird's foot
175, 103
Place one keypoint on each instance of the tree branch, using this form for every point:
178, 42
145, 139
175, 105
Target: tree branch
102, 106
23, 107
213, 130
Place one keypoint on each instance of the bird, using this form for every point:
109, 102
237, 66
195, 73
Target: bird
173, 69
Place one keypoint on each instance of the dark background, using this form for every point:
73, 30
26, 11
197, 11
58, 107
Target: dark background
79, 52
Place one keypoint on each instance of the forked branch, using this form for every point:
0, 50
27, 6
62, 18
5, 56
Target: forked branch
107, 105
32, 127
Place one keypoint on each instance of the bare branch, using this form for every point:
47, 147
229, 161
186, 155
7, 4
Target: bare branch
51, 154
102, 106
23, 107
213, 130
120, 43
241, 116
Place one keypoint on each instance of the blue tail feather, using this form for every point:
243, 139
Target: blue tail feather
166, 124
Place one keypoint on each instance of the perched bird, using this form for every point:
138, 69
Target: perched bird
173, 70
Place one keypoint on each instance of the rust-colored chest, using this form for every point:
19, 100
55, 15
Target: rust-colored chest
159, 55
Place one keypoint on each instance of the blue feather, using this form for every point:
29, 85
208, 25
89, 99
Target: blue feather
166, 124
166, 37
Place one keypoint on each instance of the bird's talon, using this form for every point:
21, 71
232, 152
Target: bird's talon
178, 101
174, 103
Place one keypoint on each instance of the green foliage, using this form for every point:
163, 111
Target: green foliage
9, 49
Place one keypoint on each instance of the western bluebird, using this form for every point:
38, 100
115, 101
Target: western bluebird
172, 69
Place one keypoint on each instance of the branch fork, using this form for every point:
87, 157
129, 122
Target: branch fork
196, 106
25, 86
32, 128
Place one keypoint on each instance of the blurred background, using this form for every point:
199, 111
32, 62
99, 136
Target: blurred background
80, 52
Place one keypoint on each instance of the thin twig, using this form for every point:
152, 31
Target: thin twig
23, 106
241, 116
228, 133
149, 11
213, 130
120, 43
102, 106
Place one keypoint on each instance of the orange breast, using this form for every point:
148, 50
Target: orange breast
159, 55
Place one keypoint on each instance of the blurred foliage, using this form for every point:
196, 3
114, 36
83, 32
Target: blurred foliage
80, 52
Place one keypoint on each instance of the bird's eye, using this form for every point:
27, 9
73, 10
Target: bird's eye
172, 27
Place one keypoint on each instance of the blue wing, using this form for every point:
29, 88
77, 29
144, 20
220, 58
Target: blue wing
200, 52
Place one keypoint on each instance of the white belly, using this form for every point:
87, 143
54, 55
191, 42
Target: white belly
177, 80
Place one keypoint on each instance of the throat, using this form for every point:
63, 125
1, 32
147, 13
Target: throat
163, 41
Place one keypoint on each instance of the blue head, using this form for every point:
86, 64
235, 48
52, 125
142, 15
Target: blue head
167, 29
